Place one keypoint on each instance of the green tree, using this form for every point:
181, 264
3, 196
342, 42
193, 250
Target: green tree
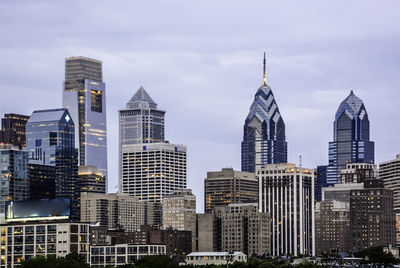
73, 260
377, 255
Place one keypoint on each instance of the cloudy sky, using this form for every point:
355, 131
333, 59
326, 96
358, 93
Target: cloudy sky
201, 61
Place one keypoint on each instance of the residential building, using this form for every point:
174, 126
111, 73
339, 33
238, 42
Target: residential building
14, 180
351, 139
179, 212
84, 95
121, 254
42, 181
372, 219
215, 258
13, 130
389, 172
264, 140
229, 186
50, 140
286, 192
26, 240
90, 179
113, 210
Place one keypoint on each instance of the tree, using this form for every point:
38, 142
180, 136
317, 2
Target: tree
376, 255
72, 260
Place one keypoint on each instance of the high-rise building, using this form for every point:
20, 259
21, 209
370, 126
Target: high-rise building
84, 95
140, 122
91, 180
264, 140
13, 130
113, 210
50, 140
43, 181
286, 192
229, 186
179, 212
372, 219
320, 182
351, 142
14, 180
357, 173
389, 172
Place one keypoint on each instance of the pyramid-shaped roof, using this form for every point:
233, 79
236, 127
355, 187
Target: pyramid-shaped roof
352, 105
141, 95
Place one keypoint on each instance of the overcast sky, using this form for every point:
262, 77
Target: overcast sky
201, 61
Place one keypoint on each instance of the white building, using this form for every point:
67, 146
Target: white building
153, 170
24, 241
286, 192
120, 254
214, 258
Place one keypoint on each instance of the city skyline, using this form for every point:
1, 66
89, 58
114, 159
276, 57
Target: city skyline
196, 78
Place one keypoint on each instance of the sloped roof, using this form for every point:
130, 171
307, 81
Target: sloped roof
141, 95
47, 115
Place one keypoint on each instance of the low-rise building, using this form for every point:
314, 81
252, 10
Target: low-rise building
214, 258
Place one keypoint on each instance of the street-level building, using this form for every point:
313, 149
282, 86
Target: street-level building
215, 258
286, 192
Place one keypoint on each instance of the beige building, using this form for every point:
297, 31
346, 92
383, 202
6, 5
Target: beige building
286, 192
229, 186
113, 210
205, 225
389, 172
179, 212
214, 258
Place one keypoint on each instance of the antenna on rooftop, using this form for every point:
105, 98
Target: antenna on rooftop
300, 164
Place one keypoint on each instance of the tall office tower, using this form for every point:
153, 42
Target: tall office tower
13, 130
113, 210
320, 182
14, 180
351, 142
179, 212
286, 192
332, 227
264, 140
229, 186
85, 97
140, 122
389, 172
42, 181
372, 220
241, 227
50, 140
91, 180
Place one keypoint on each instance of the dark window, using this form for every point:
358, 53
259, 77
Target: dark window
38, 142
96, 100
53, 138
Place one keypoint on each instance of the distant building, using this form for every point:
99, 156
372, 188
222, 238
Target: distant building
42, 181
113, 210
351, 141
84, 95
179, 212
389, 172
13, 130
91, 180
357, 173
332, 227
372, 219
229, 186
206, 232
14, 180
287, 194
320, 182
215, 258
264, 140
26, 240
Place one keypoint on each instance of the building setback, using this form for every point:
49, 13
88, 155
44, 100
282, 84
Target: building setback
286, 192
351, 143
229, 186
84, 95
113, 210
13, 130
389, 172
264, 140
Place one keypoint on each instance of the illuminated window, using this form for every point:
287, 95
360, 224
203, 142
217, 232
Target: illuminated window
96, 101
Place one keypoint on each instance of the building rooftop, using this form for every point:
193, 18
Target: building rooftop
48, 115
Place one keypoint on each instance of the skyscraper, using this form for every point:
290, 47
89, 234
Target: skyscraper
13, 130
351, 142
85, 97
50, 140
264, 140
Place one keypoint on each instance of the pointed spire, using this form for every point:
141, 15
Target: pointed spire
264, 83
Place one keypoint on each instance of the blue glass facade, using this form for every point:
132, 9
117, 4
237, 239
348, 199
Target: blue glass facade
351, 143
320, 182
50, 136
264, 140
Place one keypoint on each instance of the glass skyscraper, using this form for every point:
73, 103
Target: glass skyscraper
85, 97
351, 142
264, 140
50, 140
